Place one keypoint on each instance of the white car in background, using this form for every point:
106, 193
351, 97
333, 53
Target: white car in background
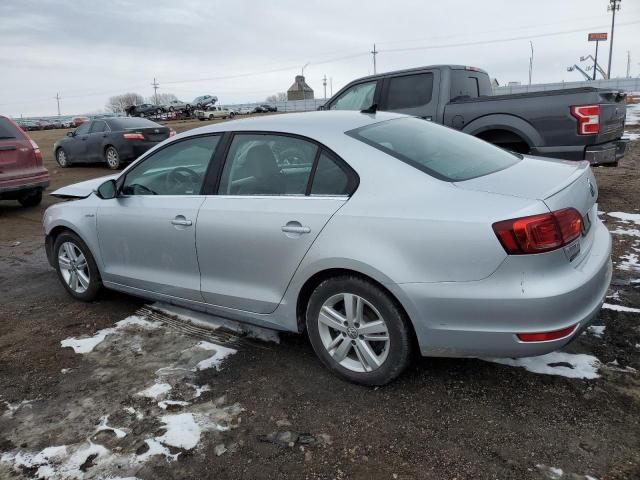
215, 111
244, 110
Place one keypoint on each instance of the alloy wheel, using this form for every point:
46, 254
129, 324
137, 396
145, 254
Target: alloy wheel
353, 332
62, 158
74, 267
112, 158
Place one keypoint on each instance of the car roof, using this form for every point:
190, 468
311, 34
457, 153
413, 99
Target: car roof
310, 124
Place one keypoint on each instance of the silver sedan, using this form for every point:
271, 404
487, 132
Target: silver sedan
377, 234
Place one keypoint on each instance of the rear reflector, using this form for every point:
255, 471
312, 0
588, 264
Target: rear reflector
539, 233
133, 136
588, 117
546, 336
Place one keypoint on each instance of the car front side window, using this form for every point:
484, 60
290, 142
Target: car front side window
358, 97
178, 169
83, 129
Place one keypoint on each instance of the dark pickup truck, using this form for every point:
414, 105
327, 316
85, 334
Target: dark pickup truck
575, 124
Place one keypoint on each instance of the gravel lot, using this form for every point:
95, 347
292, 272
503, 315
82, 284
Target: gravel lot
272, 411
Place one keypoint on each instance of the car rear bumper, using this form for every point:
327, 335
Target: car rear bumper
482, 318
14, 186
602, 154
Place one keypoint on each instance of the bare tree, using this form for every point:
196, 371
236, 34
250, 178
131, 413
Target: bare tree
119, 103
163, 98
278, 97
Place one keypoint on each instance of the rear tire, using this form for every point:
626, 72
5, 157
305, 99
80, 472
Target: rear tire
112, 157
31, 198
371, 345
76, 267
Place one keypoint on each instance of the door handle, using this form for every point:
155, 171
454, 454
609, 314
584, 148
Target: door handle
181, 221
295, 227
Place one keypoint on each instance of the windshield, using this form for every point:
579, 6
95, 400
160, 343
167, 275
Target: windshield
439, 151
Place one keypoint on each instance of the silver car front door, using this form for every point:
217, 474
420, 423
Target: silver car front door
147, 233
252, 236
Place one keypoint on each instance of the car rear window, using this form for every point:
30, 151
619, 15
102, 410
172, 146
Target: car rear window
131, 122
438, 151
8, 130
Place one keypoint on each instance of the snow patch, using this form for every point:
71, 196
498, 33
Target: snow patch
629, 232
182, 431
216, 360
168, 403
154, 391
627, 217
86, 345
570, 365
103, 426
620, 308
596, 330
156, 448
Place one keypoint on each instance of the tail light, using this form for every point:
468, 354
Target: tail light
172, 132
539, 233
588, 117
133, 136
36, 151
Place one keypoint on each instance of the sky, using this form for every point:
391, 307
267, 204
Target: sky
243, 51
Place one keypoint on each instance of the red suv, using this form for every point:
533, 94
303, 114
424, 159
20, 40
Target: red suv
23, 177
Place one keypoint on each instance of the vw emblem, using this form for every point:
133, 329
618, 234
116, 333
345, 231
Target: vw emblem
156, 131
591, 187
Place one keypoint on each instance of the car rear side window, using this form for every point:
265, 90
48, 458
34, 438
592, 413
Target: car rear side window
267, 164
409, 91
8, 130
83, 129
330, 178
464, 85
439, 151
123, 123
99, 126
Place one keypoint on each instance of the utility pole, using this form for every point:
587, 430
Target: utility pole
374, 52
155, 86
324, 84
595, 62
58, 98
530, 62
612, 7
628, 64
331, 86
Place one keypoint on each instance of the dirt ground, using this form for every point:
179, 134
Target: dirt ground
272, 410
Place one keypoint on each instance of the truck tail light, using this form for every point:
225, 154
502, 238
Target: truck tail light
36, 152
588, 117
539, 233
133, 136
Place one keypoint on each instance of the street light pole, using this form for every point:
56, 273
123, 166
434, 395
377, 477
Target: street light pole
374, 52
613, 6
531, 62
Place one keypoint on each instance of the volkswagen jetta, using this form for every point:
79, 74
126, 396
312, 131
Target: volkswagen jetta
376, 233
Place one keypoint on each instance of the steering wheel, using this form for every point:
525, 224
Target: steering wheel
180, 179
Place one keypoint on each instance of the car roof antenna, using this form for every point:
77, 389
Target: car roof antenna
372, 109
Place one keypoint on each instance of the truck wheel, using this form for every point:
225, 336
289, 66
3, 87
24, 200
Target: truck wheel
31, 198
358, 331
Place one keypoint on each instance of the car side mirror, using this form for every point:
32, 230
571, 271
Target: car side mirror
70, 134
107, 190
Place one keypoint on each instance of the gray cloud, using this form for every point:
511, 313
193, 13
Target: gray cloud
88, 50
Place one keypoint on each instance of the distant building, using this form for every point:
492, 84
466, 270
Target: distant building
300, 90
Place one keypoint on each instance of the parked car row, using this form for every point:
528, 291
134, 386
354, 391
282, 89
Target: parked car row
152, 110
43, 124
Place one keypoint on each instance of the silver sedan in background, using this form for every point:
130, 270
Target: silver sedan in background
375, 233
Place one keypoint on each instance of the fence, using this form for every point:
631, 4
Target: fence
288, 106
625, 84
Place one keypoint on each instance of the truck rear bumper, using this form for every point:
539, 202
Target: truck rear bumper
13, 188
603, 154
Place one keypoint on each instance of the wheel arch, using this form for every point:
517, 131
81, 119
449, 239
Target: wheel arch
505, 123
304, 294
55, 232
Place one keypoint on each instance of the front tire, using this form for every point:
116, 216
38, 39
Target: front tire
112, 157
358, 331
76, 267
61, 158
31, 198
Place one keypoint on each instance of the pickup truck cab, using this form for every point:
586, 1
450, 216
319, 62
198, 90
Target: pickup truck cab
574, 124
23, 177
